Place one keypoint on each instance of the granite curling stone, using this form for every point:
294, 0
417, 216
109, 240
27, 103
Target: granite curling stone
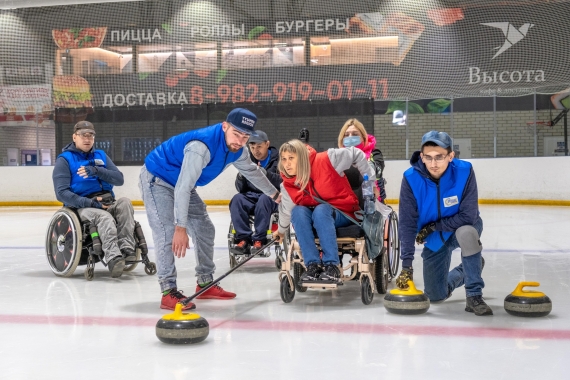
182, 328
528, 303
406, 301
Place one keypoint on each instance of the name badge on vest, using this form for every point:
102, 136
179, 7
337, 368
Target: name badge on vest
99, 162
450, 201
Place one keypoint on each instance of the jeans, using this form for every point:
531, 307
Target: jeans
115, 225
256, 204
439, 284
158, 198
324, 219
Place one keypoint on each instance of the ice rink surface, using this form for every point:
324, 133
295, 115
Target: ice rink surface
70, 328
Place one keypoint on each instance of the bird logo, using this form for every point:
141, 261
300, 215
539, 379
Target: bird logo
512, 34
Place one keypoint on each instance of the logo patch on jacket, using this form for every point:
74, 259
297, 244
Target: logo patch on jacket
99, 162
450, 201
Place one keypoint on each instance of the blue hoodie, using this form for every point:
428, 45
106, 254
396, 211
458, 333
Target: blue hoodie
419, 204
75, 191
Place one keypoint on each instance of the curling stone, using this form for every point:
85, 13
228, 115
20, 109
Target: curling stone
182, 328
528, 303
406, 301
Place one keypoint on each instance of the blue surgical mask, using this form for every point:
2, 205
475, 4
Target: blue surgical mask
351, 141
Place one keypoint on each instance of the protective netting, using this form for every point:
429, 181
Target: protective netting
290, 59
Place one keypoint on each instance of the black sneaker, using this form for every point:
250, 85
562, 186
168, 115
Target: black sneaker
241, 248
477, 305
129, 257
331, 274
116, 266
312, 273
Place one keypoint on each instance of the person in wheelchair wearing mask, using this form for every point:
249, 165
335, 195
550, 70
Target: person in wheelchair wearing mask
83, 179
353, 134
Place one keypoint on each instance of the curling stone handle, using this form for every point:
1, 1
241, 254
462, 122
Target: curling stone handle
520, 292
522, 284
187, 300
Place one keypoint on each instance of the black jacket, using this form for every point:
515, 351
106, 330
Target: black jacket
272, 173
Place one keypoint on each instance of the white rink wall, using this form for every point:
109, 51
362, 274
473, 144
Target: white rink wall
526, 178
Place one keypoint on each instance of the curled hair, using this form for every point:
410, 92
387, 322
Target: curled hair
358, 126
298, 148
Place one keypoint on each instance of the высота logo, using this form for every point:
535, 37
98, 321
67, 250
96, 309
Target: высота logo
512, 34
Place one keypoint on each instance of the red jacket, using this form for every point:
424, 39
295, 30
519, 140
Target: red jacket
325, 183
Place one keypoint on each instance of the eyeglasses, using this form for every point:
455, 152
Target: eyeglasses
438, 158
86, 136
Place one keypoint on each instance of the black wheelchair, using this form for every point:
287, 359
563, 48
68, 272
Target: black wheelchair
71, 242
374, 275
280, 248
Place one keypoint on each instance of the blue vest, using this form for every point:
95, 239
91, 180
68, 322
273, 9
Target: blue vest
438, 201
90, 185
166, 159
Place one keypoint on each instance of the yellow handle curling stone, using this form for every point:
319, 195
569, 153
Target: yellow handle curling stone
528, 303
406, 301
182, 328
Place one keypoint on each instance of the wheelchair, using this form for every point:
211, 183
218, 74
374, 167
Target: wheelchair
280, 249
373, 275
71, 242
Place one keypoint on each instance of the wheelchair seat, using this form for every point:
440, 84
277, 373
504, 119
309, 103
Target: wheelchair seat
70, 243
351, 231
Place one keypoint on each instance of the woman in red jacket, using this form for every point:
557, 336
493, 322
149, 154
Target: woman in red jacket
308, 175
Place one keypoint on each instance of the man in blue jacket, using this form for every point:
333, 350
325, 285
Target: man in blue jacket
251, 201
168, 184
83, 178
439, 208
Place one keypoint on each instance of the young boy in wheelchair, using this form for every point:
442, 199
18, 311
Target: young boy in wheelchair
308, 176
83, 179
251, 201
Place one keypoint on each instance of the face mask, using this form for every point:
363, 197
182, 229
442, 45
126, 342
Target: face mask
351, 141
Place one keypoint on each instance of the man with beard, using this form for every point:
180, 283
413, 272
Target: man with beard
168, 182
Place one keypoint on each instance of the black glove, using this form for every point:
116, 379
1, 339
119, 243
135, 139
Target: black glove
424, 232
91, 171
405, 275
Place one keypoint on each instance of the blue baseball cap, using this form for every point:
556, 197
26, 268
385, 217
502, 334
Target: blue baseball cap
243, 120
442, 139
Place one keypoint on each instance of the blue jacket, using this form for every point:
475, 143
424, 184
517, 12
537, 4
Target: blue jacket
166, 159
75, 191
450, 202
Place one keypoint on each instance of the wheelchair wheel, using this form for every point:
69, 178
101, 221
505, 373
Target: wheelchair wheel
393, 244
381, 272
64, 242
150, 269
130, 267
298, 271
366, 292
287, 294
278, 260
233, 262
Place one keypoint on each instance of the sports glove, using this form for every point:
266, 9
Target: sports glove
405, 275
424, 232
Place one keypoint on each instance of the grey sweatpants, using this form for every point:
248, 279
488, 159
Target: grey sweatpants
116, 227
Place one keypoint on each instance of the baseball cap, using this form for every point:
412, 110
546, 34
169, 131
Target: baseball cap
442, 139
243, 120
259, 137
86, 126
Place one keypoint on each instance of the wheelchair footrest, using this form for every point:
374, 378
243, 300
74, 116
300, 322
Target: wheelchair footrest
321, 284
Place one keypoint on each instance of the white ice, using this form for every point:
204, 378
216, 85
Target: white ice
69, 328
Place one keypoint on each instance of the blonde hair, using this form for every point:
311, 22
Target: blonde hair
358, 126
298, 148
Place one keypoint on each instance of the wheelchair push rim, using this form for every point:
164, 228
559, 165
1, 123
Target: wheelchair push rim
393, 244
63, 242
